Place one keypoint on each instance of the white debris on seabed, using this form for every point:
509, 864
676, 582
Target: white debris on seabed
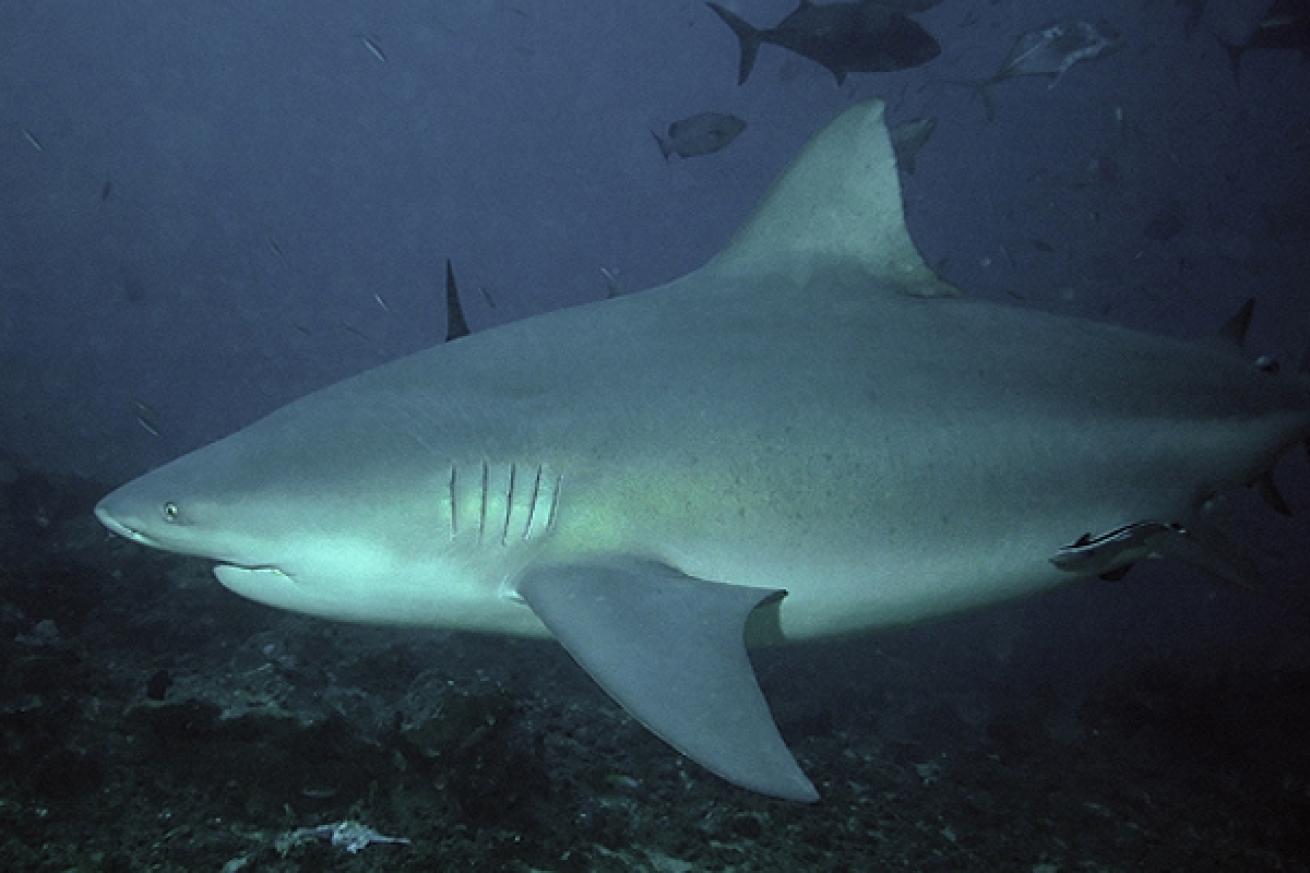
351, 836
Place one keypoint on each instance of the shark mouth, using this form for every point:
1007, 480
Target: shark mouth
122, 530
265, 573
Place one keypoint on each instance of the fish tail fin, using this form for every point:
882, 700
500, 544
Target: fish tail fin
749, 37
666, 146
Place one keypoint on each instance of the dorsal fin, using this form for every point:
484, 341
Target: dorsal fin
456, 326
1235, 328
836, 208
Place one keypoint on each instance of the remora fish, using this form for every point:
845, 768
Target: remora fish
1285, 27
1050, 51
701, 134
808, 436
861, 37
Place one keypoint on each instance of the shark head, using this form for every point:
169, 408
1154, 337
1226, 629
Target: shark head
317, 509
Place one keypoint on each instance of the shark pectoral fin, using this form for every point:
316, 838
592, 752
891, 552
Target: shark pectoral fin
671, 650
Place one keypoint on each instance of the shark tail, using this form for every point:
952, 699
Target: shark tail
749, 37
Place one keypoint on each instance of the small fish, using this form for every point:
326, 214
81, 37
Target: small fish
700, 134
908, 137
613, 287
382, 304
106, 190
146, 417
623, 782
858, 37
32, 140
1050, 51
1285, 27
373, 48
274, 247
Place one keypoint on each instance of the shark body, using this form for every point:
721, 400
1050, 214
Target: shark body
811, 435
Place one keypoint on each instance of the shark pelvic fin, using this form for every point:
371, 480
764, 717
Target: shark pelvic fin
836, 210
671, 650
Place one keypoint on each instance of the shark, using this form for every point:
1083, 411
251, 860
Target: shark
811, 435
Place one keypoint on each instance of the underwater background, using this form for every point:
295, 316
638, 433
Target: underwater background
208, 210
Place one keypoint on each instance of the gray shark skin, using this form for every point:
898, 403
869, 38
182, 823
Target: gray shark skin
809, 436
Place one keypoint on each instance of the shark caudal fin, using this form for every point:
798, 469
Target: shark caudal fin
749, 37
835, 211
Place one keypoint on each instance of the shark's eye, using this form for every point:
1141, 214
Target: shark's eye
171, 511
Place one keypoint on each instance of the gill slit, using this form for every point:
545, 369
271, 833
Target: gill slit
509, 503
532, 503
554, 502
482, 513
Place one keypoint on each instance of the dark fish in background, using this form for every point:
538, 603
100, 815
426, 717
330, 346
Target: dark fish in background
700, 134
1194, 11
107, 189
908, 137
1285, 27
861, 37
1050, 51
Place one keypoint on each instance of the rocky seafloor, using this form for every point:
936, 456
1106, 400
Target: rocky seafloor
151, 720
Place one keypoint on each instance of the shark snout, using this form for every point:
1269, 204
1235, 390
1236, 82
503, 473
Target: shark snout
113, 517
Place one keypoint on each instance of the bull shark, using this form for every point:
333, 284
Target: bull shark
811, 435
